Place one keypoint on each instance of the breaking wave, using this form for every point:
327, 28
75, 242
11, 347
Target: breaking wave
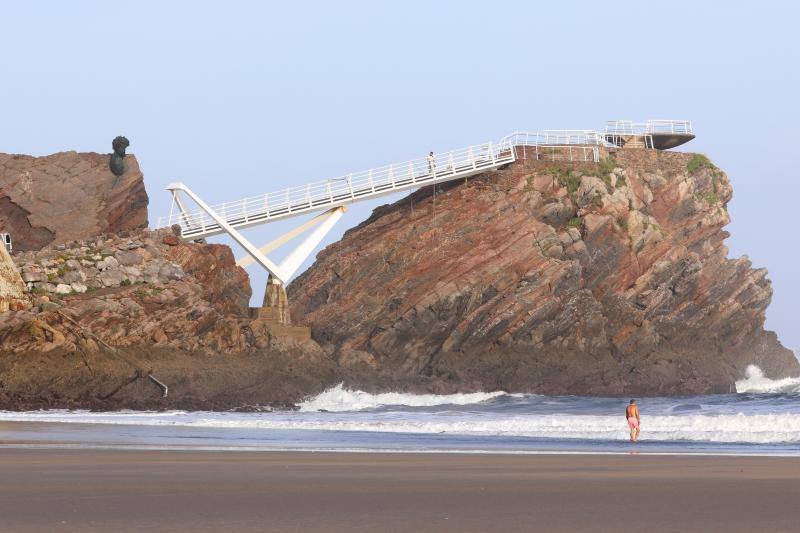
338, 399
756, 382
780, 428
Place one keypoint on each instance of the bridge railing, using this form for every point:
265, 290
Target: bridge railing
344, 189
556, 138
580, 145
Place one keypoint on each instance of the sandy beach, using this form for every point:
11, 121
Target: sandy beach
122, 490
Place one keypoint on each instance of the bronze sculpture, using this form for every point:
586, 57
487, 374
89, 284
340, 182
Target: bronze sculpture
116, 163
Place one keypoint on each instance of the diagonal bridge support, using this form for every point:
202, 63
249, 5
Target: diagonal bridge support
280, 273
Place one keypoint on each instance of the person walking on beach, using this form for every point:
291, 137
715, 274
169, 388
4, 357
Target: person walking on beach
431, 164
632, 414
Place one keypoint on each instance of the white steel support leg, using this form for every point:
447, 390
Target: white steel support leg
184, 211
296, 257
262, 259
248, 260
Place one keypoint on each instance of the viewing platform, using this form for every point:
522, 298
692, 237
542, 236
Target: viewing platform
653, 134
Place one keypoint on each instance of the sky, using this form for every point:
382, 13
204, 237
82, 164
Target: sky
241, 98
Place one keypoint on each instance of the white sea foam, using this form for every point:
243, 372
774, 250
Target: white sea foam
729, 428
337, 399
755, 381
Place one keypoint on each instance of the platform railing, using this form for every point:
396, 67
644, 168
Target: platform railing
627, 127
622, 127
556, 138
345, 189
680, 127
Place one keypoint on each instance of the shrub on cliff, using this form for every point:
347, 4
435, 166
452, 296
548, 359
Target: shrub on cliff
697, 162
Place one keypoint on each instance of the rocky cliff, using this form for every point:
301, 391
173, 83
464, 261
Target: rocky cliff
584, 278
40, 196
109, 311
577, 278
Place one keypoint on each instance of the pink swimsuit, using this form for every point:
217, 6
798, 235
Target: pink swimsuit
633, 422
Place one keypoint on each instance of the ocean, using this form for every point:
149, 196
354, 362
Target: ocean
761, 418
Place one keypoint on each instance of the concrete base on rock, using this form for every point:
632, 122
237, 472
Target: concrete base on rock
274, 317
264, 320
275, 307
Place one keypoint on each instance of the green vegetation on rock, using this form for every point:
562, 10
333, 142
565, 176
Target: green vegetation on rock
697, 162
606, 167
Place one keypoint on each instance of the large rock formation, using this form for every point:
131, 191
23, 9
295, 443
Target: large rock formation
67, 196
586, 278
111, 302
108, 311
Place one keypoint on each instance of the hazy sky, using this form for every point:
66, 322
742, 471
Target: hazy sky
241, 98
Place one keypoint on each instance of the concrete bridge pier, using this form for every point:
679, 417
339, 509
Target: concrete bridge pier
275, 307
273, 315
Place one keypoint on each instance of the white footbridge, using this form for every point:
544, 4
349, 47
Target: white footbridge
332, 196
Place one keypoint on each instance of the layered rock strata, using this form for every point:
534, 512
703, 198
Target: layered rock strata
108, 311
68, 196
576, 278
547, 277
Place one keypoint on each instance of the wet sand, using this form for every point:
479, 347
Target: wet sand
120, 491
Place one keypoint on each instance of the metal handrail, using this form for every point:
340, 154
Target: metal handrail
683, 127
445, 166
627, 127
556, 138
347, 188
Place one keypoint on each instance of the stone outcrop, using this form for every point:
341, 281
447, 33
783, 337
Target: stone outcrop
577, 278
86, 266
103, 302
68, 196
11, 287
180, 310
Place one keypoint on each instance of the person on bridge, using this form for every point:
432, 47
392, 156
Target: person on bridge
632, 415
432, 164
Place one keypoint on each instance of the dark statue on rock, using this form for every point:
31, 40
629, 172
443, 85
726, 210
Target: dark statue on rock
116, 163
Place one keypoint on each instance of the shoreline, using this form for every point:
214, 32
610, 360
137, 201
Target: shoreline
377, 451
243, 438
128, 490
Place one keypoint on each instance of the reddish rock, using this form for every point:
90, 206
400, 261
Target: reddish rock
68, 196
186, 319
550, 278
171, 240
12, 296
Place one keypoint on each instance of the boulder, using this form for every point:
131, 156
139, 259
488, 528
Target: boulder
40, 196
63, 288
590, 188
74, 276
107, 263
128, 258
78, 287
